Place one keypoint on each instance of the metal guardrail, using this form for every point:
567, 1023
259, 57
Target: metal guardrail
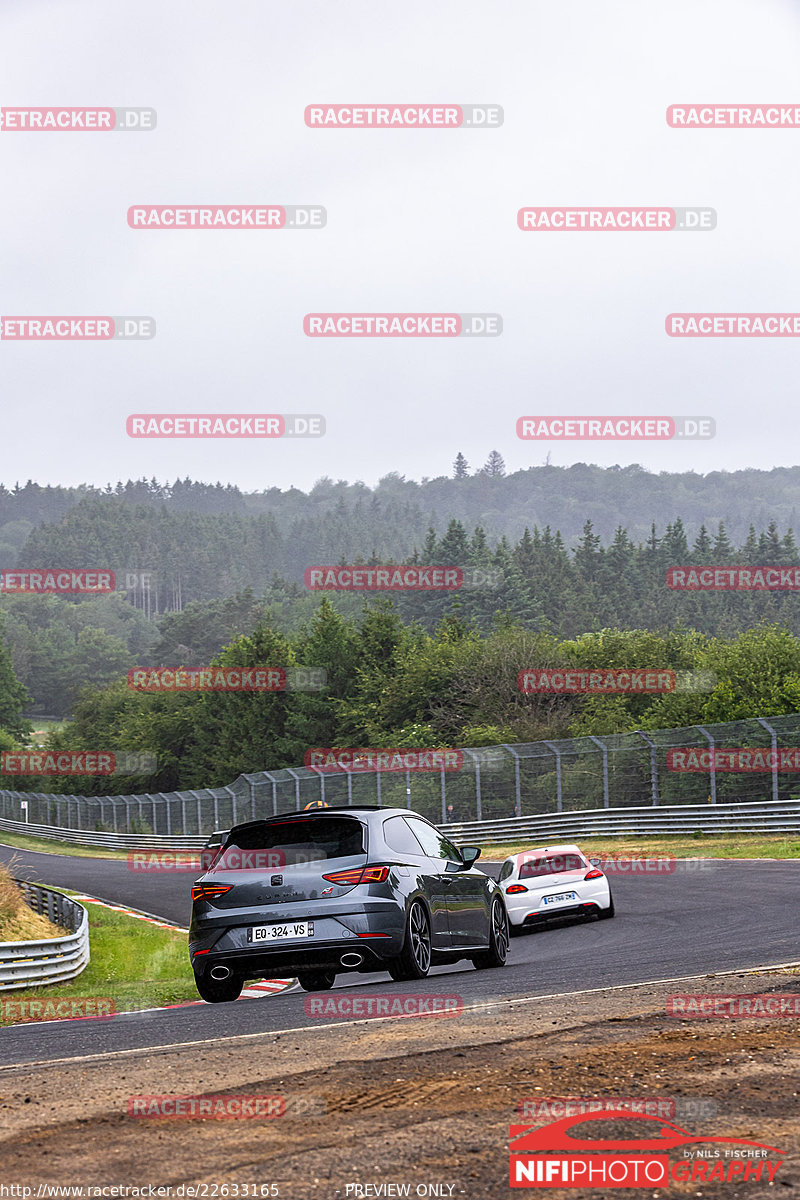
111, 841
760, 817
765, 817
47, 960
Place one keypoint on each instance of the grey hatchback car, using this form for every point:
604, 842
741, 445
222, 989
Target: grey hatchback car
361, 889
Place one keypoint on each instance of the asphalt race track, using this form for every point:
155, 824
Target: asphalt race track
707, 916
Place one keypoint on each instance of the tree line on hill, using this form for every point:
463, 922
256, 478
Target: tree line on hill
391, 683
59, 644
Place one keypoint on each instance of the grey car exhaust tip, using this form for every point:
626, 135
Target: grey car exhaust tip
220, 973
352, 960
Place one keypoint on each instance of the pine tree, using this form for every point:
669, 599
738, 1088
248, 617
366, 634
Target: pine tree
494, 466
701, 552
722, 550
460, 467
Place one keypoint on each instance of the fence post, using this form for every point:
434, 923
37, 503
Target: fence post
321, 778
296, 779
199, 811
183, 812
713, 768
252, 787
653, 764
557, 752
517, 791
478, 799
604, 750
216, 810
232, 795
444, 794
774, 737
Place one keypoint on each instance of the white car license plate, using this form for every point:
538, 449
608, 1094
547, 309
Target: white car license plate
560, 897
279, 933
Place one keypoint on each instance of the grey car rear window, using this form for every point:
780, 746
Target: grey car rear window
304, 840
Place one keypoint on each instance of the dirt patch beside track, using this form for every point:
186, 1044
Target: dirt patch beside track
411, 1101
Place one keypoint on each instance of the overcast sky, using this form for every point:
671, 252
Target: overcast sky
417, 221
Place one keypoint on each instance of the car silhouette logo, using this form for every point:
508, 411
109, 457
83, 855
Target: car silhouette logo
276, 880
656, 1136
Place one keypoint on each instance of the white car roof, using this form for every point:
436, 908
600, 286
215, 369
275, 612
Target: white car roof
526, 855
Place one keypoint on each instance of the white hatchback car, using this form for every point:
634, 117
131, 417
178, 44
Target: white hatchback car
553, 881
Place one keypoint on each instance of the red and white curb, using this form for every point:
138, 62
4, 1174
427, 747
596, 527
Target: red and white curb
254, 991
129, 912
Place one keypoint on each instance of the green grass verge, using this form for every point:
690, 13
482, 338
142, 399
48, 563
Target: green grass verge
134, 964
699, 845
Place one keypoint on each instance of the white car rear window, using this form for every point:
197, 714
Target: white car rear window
550, 864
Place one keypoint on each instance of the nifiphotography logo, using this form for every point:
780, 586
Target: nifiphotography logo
587, 1151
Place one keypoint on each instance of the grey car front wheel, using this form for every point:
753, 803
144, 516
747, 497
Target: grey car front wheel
497, 953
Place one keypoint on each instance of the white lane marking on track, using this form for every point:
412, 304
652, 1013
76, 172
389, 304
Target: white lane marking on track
249, 1037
